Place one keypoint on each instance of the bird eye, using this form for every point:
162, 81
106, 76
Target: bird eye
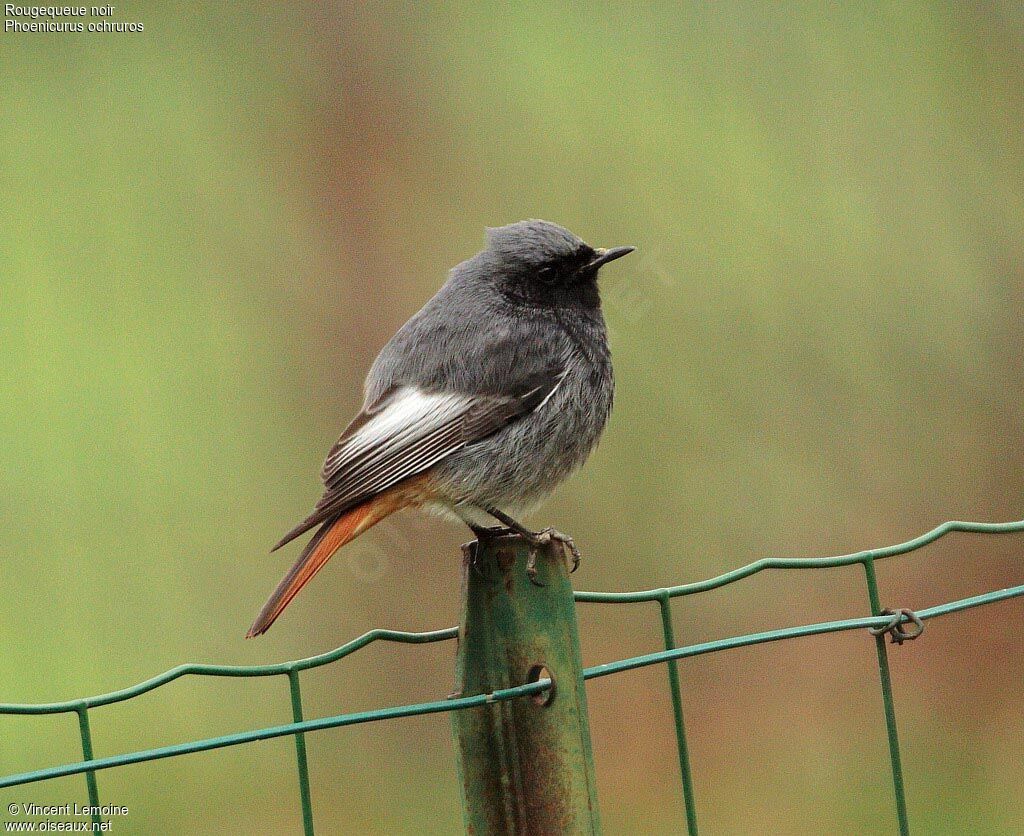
548, 275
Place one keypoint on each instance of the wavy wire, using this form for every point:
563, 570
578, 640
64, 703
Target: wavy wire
291, 668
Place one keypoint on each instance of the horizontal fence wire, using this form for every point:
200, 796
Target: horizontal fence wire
669, 656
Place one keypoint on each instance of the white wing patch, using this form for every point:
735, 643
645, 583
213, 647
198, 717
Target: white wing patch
410, 430
408, 415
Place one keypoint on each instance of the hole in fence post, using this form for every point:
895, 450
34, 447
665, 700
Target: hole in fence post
537, 673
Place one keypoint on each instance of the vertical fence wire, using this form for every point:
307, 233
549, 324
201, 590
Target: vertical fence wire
300, 754
664, 602
889, 704
90, 777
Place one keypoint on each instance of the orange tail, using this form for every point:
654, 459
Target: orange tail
332, 535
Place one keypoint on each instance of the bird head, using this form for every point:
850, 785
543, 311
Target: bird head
543, 263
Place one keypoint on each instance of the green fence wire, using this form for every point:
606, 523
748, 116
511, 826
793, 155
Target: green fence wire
879, 622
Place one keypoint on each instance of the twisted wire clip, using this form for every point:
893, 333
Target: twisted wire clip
895, 626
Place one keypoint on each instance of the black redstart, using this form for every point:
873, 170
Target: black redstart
480, 405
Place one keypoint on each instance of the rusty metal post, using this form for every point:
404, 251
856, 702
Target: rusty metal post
525, 765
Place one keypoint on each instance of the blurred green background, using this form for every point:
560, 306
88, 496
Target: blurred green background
210, 228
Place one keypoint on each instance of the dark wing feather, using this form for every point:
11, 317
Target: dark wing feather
408, 431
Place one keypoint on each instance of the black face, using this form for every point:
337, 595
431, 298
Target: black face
544, 265
560, 280
568, 269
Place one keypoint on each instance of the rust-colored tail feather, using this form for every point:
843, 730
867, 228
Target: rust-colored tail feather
331, 536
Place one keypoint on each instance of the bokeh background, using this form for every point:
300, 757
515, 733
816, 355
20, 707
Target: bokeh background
210, 228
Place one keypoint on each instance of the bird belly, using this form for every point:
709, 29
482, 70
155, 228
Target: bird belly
518, 467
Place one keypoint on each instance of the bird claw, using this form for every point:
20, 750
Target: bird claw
543, 538
531, 566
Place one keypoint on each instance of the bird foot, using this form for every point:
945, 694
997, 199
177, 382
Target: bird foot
539, 539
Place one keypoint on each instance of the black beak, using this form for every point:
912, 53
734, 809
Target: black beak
604, 256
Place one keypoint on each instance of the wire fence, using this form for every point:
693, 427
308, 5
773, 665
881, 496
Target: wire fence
880, 622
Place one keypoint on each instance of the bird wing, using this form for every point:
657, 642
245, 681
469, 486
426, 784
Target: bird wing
408, 430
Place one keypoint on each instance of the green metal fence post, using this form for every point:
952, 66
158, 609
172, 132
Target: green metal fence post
525, 765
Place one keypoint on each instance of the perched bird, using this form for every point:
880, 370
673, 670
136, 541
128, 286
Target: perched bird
481, 404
